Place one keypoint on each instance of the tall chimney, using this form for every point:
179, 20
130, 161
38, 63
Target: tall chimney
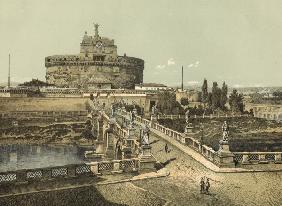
182, 80
9, 77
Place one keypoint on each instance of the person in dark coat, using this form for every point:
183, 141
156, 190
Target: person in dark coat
207, 186
202, 185
166, 148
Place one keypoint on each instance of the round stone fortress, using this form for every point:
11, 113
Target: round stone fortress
98, 66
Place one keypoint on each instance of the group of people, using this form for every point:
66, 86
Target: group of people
205, 185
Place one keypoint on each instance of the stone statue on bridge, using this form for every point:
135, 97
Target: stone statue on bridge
225, 131
145, 134
187, 116
154, 110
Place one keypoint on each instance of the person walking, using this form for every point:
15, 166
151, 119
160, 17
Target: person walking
166, 148
202, 185
207, 186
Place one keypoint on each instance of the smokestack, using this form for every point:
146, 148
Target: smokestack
9, 77
182, 80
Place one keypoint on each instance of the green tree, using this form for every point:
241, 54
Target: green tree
184, 101
167, 103
209, 99
223, 97
236, 102
216, 95
205, 93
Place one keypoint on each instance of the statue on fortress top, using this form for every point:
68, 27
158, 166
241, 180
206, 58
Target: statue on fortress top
225, 131
96, 30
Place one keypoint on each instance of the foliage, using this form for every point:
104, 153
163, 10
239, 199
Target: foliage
223, 96
184, 101
277, 95
256, 98
216, 95
167, 103
236, 102
205, 91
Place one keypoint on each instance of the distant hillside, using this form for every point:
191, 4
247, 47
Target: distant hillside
3, 84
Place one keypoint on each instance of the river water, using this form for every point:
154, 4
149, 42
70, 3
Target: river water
20, 156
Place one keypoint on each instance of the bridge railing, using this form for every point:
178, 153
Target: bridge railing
41, 174
211, 116
206, 151
257, 157
115, 166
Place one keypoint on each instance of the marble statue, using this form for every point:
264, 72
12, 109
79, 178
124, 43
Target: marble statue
225, 131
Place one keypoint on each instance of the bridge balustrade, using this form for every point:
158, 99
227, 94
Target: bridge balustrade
257, 157
47, 173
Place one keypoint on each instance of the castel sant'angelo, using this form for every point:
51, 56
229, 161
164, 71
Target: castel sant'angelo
98, 66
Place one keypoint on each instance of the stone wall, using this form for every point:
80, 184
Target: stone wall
87, 195
90, 74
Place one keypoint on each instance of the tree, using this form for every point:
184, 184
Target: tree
167, 103
184, 101
209, 99
205, 92
216, 94
256, 98
223, 97
236, 102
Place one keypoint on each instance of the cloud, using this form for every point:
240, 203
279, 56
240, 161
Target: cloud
196, 64
170, 62
160, 66
193, 82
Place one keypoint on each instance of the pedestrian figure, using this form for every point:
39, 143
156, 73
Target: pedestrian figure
202, 185
207, 186
166, 148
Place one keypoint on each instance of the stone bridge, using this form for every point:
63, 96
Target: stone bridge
218, 161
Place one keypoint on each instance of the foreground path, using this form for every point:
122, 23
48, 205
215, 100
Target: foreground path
182, 186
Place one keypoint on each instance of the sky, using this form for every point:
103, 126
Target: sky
237, 41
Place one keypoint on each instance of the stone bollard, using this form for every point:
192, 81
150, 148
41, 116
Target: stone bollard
21, 176
47, 174
94, 167
245, 159
71, 171
116, 166
278, 158
262, 159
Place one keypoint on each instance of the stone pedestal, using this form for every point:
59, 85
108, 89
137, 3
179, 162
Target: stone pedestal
154, 119
116, 166
226, 158
147, 160
94, 168
100, 147
126, 152
189, 129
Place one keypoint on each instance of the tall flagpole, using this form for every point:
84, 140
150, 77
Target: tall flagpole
182, 80
9, 77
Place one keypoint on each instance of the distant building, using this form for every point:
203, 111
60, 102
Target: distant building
191, 95
97, 66
150, 86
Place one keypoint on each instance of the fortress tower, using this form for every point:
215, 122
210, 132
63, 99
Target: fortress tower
97, 66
